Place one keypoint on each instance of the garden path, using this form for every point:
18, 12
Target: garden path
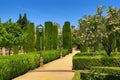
60, 69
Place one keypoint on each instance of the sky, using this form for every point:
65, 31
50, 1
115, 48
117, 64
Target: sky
40, 11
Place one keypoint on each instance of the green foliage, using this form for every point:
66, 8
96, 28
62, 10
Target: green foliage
13, 66
76, 76
55, 36
99, 30
52, 55
14, 35
85, 62
3, 35
16, 50
48, 36
22, 21
4, 69
99, 76
93, 75
108, 70
30, 38
67, 37
37, 45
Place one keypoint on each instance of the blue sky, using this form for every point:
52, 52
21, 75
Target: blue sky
39, 11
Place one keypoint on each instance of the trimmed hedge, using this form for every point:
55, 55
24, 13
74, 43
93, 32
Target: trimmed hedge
85, 62
4, 69
109, 70
53, 54
101, 76
13, 66
94, 76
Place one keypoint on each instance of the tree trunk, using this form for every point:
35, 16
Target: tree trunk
9, 51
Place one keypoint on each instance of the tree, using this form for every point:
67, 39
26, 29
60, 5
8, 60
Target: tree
48, 35
67, 40
97, 29
14, 35
22, 21
55, 36
30, 38
112, 29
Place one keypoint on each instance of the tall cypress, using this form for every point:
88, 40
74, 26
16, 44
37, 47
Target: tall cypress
30, 38
22, 21
67, 39
55, 36
48, 35
37, 39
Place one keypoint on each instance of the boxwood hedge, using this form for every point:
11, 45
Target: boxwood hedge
109, 70
85, 62
101, 76
94, 76
13, 66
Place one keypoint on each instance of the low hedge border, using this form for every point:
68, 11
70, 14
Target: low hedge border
53, 54
109, 70
15, 65
85, 62
101, 76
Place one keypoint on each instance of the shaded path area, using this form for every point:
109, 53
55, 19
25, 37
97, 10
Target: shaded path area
60, 69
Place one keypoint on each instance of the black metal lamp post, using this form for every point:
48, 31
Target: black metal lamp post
40, 28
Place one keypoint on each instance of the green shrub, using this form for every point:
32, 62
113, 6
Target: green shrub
4, 69
67, 38
30, 38
13, 66
102, 76
48, 35
76, 76
55, 36
53, 54
65, 52
85, 62
109, 70
50, 55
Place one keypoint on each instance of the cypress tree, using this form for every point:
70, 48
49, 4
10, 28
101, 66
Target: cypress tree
22, 21
55, 36
37, 39
48, 35
30, 38
67, 39
19, 21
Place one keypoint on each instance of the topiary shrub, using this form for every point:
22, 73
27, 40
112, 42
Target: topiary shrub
48, 36
85, 62
67, 38
109, 70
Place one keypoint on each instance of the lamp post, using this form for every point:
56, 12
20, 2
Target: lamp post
40, 28
60, 36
